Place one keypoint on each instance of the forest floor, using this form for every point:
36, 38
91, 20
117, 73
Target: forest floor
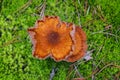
99, 19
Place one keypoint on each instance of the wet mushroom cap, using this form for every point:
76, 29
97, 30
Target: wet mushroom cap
56, 39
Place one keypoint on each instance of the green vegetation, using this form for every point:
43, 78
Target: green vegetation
99, 19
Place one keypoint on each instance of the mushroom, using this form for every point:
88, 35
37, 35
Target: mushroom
56, 39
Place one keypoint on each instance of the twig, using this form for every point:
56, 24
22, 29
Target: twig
77, 72
73, 67
99, 63
105, 33
22, 8
93, 73
70, 72
52, 74
101, 14
110, 64
93, 76
10, 42
43, 10
95, 70
88, 55
78, 13
100, 49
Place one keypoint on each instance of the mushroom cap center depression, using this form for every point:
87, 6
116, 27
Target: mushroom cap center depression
53, 38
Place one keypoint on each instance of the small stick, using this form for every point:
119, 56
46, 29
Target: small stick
43, 9
10, 42
106, 33
52, 74
104, 68
77, 72
21, 9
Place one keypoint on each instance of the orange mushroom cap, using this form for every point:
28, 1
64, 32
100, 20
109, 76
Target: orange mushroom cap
58, 40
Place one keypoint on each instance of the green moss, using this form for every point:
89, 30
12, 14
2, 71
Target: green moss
16, 60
